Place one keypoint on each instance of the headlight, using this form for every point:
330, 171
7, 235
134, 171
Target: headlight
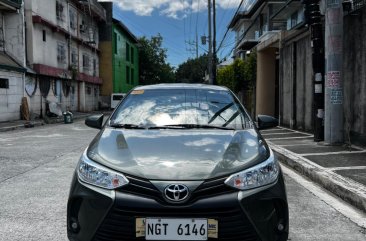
97, 175
260, 175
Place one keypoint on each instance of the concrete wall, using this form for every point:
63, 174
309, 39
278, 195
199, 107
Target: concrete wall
296, 84
304, 85
266, 76
14, 46
11, 99
15, 35
354, 77
88, 102
106, 67
89, 97
286, 83
67, 103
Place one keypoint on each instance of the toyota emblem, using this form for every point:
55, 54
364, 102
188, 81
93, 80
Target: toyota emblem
176, 192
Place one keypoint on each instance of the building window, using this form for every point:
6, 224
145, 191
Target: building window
86, 62
88, 90
44, 35
83, 27
127, 74
127, 52
4, 83
294, 20
61, 53
115, 43
132, 55
74, 58
72, 15
94, 67
59, 11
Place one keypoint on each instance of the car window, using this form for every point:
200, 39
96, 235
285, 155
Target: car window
161, 107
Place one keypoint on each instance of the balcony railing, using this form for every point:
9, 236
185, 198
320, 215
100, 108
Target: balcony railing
96, 8
357, 4
19, 2
11, 4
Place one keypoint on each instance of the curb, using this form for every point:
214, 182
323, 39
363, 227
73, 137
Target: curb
53, 121
15, 127
348, 190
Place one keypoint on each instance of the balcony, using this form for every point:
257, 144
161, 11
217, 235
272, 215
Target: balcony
10, 5
96, 8
352, 6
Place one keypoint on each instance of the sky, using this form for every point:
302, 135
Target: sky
177, 22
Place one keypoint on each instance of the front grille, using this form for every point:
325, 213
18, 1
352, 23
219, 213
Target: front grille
120, 222
144, 188
212, 187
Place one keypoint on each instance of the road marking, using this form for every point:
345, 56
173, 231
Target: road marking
297, 131
346, 168
298, 144
331, 153
347, 210
288, 138
282, 133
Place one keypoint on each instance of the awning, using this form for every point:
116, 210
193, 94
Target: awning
8, 63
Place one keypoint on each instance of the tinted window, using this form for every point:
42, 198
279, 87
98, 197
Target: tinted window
181, 106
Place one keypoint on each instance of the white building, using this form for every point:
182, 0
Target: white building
62, 49
12, 59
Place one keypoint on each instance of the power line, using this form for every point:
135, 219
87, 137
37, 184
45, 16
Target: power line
224, 14
227, 30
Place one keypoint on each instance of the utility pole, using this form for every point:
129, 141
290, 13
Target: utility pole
334, 84
214, 43
209, 44
313, 19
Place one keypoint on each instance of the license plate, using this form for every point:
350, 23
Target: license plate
175, 229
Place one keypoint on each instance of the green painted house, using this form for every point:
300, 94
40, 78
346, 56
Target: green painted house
125, 59
119, 58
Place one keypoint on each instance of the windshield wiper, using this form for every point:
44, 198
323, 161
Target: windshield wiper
191, 126
127, 126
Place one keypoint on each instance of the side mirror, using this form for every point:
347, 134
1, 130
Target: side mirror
95, 121
266, 122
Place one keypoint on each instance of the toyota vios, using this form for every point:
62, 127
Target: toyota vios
178, 162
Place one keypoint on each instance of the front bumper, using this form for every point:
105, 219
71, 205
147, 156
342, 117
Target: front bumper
242, 215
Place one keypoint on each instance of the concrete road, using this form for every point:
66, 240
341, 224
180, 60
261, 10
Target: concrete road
36, 166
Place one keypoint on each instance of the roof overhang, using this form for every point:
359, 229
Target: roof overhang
8, 63
287, 10
252, 11
247, 44
8, 5
125, 29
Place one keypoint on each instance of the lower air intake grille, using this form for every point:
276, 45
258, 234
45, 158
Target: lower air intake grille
120, 222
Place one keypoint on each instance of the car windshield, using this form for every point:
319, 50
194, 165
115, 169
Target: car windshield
192, 108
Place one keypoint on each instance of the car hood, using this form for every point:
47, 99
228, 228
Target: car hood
193, 154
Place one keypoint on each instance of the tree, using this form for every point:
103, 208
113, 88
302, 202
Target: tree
192, 70
240, 75
153, 66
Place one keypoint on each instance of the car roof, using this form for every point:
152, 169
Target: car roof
181, 86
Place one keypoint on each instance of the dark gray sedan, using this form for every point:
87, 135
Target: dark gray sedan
178, 162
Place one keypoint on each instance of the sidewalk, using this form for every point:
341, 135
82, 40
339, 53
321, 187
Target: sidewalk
339, 169
18, 124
